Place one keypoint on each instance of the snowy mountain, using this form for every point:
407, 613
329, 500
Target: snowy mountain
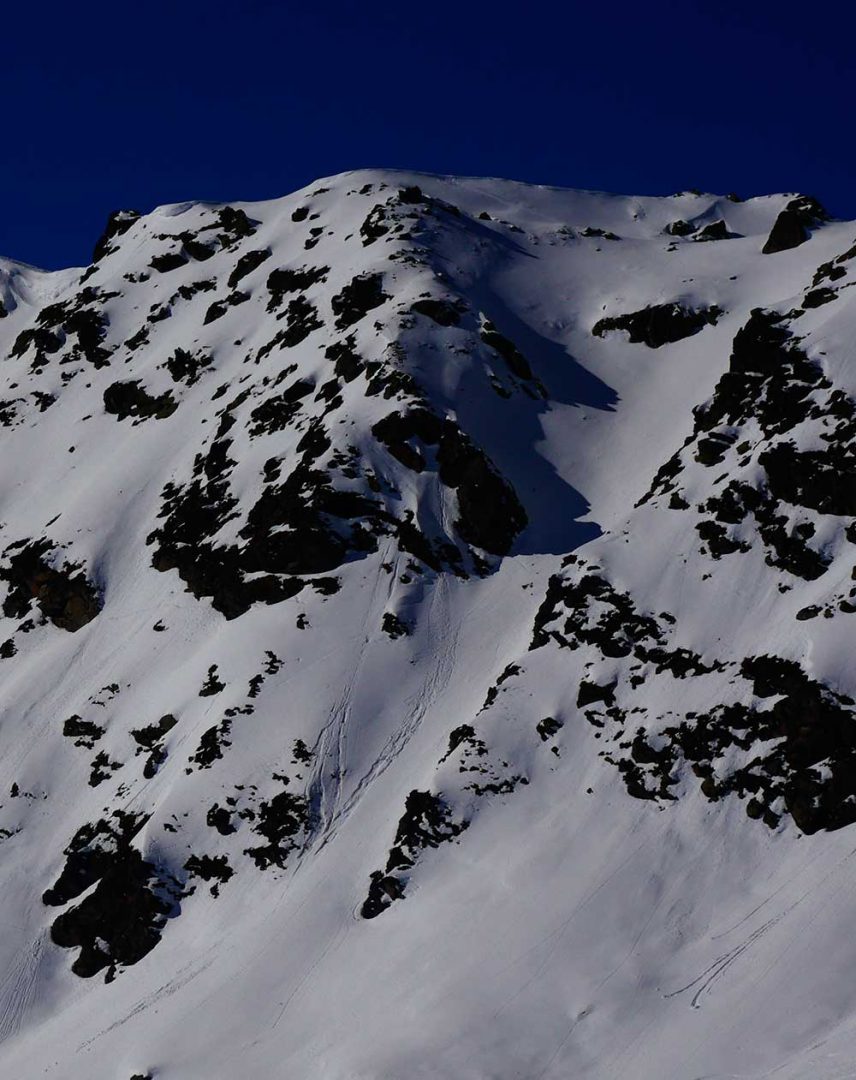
427, 640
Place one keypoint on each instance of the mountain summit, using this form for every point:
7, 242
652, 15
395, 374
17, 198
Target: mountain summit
426, 639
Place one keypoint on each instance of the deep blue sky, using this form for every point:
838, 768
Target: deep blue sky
131, 104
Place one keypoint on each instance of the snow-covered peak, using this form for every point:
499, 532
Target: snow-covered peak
427, 637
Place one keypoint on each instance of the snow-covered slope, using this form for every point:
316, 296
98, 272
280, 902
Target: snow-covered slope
427, 639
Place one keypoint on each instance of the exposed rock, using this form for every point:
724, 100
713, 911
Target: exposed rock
212, 684
716, 230
517, 363
219, 308
169, 260
604, 234
117, 225
425, 823
681, 228
393, 626
792, 227
548, 727
363, 294
186, 367
490, 514
124, 399
284, 281
660, 324
280, 822
212, 744
248, 262
84, 732
64, 594
120, 921
210, 868
276, 413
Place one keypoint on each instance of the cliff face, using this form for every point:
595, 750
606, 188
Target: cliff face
427, 633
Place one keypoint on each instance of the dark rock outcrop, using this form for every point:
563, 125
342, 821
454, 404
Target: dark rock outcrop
121, 919
793, 225
660, 324
117, 225
426, 823
124, 399
63, 594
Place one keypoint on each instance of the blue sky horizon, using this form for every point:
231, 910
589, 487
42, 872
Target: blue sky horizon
133, 107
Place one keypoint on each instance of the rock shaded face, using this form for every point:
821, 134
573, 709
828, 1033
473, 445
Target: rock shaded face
63, 595
662, 324
793, 225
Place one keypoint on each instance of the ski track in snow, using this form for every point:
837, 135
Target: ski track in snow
18, 987
183, 978
330, 748
722, 963
702, 984
312, 968
440, 670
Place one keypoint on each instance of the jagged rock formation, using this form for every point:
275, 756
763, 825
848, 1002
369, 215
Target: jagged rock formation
660, 324
793, 225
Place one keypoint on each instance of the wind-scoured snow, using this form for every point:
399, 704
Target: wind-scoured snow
427, 631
